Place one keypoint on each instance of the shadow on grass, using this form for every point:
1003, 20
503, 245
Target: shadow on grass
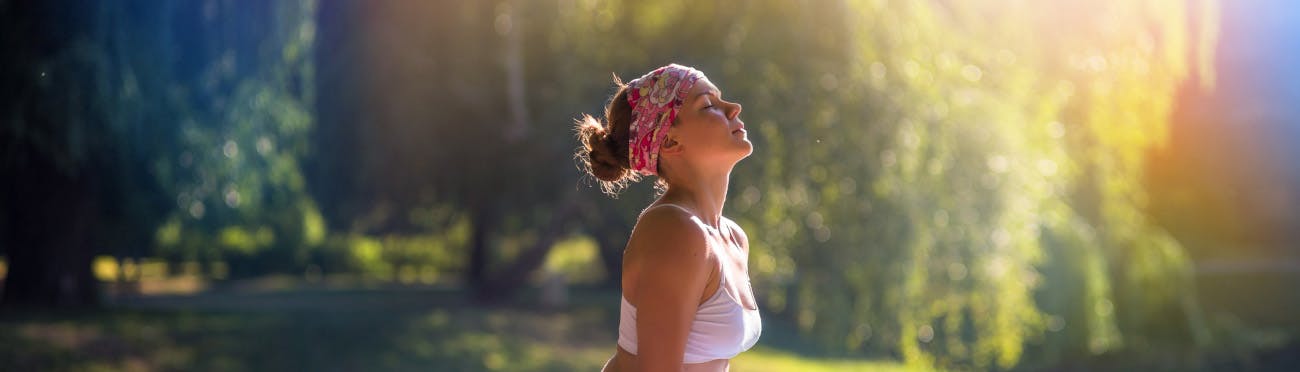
396, 329
331, 330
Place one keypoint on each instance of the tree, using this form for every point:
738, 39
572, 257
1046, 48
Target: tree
114, 122
247, 75
454, 119
969, 178
79, 133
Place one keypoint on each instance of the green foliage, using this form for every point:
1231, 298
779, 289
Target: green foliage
236, 173
190, 116
408, 258
576, 259
951, 182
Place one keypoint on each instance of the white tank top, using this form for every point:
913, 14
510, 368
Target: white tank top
721, 330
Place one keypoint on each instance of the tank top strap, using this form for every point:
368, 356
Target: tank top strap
647, 210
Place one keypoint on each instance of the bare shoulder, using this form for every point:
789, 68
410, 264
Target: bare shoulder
672, 232
668, 257
737, 233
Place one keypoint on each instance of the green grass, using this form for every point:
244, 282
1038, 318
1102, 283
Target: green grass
277, 326
410, 329
763, 359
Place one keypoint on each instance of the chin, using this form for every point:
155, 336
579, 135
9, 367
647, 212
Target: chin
747, 149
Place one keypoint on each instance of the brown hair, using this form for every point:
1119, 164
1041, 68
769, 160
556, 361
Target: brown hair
604, 149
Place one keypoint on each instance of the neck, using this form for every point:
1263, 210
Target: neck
704, 192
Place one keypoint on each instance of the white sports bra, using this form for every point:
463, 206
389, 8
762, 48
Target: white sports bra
721, 330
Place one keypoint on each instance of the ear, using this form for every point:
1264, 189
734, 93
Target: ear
671, 145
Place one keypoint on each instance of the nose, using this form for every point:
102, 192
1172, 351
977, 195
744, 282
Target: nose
735, 111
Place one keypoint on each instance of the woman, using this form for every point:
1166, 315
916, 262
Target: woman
687, 304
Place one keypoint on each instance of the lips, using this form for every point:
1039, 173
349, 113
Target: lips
741, 129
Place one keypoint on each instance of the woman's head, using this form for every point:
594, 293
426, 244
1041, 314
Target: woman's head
708, 135
671, 117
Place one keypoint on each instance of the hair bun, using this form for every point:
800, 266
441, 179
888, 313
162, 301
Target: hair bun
604, 165
604, 147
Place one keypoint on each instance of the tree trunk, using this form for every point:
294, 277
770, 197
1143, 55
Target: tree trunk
611, 236
611, 244
514, 70
480, 249
48, 252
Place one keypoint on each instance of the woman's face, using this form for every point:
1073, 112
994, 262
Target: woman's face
709, 127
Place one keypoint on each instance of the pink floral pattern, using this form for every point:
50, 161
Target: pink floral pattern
655, 99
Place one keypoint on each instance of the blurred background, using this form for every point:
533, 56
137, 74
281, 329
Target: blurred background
390, 185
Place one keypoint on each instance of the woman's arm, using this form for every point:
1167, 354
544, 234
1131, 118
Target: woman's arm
674, 270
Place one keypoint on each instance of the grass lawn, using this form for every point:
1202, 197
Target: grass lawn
377, 329
764, 358
282, 326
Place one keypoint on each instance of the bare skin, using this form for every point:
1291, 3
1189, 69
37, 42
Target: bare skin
674, 258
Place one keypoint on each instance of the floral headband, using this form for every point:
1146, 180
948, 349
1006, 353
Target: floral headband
655, 99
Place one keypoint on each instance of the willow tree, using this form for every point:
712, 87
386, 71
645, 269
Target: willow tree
966, 182
125, 113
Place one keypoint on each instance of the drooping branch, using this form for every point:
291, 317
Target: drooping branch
504, 282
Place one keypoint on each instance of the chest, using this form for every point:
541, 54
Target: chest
733, 269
